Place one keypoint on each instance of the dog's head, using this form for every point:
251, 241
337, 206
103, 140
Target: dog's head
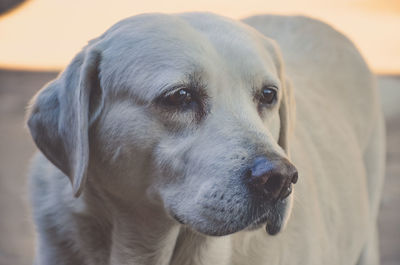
191, 112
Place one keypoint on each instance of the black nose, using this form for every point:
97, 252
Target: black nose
272, 179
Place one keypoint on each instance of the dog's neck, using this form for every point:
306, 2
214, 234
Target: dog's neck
138, 244
142, 234
193, 248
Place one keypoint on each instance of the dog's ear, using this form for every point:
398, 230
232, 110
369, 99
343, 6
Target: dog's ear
287, 109
61, 113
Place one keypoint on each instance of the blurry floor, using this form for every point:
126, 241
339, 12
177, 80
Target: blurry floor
16, 147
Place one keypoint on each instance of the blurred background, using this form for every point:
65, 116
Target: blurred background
39, 37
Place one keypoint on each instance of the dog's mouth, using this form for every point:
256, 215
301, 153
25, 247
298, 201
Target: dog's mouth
272, 215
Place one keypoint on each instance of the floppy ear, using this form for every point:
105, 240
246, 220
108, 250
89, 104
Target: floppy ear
287, 109
61, 113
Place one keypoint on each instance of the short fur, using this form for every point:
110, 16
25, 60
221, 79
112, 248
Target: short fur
156, 185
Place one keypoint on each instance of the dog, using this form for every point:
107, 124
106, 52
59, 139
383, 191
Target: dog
196, 139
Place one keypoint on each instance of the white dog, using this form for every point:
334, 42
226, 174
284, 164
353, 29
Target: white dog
175, 132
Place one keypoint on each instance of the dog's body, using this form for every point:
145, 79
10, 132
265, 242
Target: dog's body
122, 217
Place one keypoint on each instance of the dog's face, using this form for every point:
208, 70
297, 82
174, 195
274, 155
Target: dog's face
189, 112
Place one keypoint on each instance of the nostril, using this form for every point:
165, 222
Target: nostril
273, 183
295, 177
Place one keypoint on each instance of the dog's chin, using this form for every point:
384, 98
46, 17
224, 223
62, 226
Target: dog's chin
274, 219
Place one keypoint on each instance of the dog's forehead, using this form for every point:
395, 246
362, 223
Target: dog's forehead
144, 54
241, 47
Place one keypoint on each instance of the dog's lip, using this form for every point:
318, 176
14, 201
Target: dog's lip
272, 226
271, 219
177, 218
258, 222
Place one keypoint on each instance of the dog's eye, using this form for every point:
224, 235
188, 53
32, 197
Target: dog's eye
268, 96
182, 97
184, 100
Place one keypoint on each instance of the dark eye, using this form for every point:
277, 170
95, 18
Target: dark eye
268, 96
182, 97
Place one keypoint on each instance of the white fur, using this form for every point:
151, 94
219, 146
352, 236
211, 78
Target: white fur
136, 166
